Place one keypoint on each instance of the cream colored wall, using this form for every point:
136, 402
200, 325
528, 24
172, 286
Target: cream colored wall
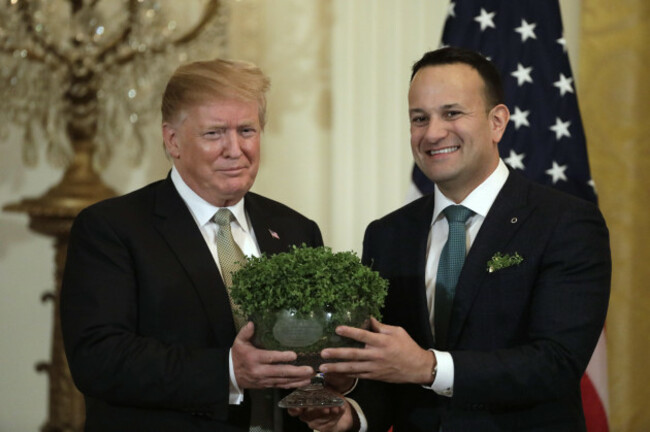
374, 45
291, 43
336, 148
614, 96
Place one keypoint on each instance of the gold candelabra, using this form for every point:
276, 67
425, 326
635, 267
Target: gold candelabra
82, 75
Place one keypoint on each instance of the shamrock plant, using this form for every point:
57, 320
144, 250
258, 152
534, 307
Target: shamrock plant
306, 279
500, 261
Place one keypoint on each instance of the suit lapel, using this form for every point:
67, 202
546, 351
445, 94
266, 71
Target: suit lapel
268, 229
422, 226
177, 226
506, 216
408, 252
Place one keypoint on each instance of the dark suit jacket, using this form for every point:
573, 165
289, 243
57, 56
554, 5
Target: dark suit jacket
145, 316
520, 337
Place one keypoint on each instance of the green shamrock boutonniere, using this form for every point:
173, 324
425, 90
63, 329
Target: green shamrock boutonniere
500, 261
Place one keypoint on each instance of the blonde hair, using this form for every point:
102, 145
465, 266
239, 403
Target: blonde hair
201, 81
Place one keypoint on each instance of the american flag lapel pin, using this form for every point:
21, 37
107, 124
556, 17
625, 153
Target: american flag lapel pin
274, 234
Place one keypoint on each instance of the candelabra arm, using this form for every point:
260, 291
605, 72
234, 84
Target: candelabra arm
210, 10
27, 19
122, 39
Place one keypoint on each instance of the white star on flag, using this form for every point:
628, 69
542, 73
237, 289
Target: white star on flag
526, 30
485, 19
522, 74
561, 128
520, 118
592, 183
564, 84
557, 172
562, 42
450, 11
515, 160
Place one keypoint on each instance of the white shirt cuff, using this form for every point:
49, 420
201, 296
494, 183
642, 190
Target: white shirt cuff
351, 389
443, 383
236, 396
363, 423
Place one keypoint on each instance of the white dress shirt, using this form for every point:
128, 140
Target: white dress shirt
242, 232
480, 201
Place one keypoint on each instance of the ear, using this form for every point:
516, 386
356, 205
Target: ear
499, 117
171, 140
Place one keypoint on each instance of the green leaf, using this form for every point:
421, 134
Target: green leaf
500, 261
307, 279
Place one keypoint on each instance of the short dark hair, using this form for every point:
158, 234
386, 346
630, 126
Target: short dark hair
494, 94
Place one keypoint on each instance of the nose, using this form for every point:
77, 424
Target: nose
436, 130
232, 146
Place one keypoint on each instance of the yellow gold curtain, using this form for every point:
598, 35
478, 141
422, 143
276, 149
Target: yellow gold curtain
615, 102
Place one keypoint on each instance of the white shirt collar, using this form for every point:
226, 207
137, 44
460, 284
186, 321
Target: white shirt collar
480, 199
202, 210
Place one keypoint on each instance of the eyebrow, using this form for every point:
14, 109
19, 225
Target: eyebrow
220, 124
444, 107
417, 111
451, 106
246, 123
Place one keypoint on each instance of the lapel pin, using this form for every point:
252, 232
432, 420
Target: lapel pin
513, 220
274, 234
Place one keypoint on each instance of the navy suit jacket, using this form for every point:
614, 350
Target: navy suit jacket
145, 316
520, 337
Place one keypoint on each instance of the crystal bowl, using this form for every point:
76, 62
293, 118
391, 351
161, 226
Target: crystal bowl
306, 333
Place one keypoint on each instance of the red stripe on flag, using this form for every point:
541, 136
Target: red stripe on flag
593, 407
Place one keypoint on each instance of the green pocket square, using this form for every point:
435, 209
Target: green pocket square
500, 261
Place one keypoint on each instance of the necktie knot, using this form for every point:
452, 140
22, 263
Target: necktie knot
457, 213
223, 217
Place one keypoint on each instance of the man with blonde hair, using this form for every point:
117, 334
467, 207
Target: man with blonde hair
149, 330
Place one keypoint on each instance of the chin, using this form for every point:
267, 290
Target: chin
432, 174
235, 191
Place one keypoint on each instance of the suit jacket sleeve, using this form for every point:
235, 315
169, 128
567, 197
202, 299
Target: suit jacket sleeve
558, 301
114, 341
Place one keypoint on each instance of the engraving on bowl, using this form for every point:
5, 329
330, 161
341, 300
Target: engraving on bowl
295, 332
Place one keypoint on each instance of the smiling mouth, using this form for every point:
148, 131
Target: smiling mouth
445, 150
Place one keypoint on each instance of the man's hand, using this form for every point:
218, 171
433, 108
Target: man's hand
256, 368
339, 383
390, 355
335, 419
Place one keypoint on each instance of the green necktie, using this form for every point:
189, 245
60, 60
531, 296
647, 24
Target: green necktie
230, 259
449, 267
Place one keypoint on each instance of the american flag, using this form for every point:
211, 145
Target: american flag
545, 140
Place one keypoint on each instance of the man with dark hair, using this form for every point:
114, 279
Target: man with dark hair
489, 74
149, 331
498, 286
